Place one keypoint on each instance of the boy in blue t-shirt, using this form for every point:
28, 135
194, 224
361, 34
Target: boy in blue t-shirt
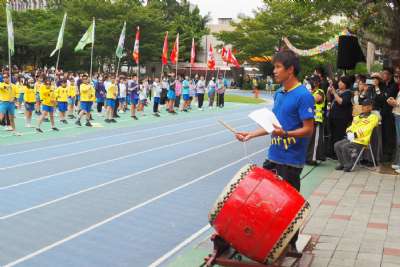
294, 108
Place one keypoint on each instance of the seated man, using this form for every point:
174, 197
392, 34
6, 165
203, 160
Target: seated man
358, 136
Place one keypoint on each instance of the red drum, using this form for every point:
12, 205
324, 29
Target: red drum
258, 213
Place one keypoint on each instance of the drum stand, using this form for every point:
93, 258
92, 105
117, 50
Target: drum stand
223, 255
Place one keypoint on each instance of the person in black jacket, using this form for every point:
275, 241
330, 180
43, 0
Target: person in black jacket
387, 89
340, 113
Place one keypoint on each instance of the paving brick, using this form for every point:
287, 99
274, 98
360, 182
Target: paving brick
374, 225
329, 202
391, 251
371, 246
341, 217
349, 244
320, 262
368, 260
343, 258
391, 259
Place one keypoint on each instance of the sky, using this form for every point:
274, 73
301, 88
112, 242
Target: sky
227, 8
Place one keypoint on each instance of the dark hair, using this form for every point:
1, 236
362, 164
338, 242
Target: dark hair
347, 81
388, 69
320, 70
288, 59
362, 78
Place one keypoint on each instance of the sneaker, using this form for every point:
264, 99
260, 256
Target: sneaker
339, 168
21, 112
55, 129
71, 116
28, 125
395, 167
201, 109
113, 121
9, 128
398, 171
107, 120
88, 124
156, 114
135, 118
39, 130
117, 116
121, 111
64, 121
46, 120
347, 169
17, 133
78, 122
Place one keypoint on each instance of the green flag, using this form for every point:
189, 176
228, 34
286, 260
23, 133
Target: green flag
10, 30
120, 48
87, 38
60, 39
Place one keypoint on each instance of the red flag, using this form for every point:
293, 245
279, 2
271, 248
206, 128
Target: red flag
136, 47
175, 51
232, 59
164, 56
224, 54
193, 53
211, 59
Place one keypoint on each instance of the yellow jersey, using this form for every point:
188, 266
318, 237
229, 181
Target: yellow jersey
29, 95
112, 92
7, 92
88, 93
48, 96
20, 88
71, 91
37, 87
362, 127
62, 94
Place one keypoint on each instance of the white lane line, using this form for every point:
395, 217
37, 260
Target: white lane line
116, 216
112, 160
183, 244
10, 215
110, 136
105, 147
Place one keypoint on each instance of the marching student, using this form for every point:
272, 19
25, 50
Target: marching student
211, 92
171, 94
7, 101
185, 93
62, 100
20, 94
87, 96
38, 85
122, 94
142, 97
112, 91
156, 88
71, 98
200, 91
48, 96
133, 87
29, 101
220, 93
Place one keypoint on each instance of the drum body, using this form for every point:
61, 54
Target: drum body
258, 213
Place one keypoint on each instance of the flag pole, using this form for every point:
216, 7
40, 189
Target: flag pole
119, 61
58, 59
177, 59
162, 71
91, 53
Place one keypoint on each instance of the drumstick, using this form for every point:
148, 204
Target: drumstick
230, 128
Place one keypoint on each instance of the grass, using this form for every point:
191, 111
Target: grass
239, 99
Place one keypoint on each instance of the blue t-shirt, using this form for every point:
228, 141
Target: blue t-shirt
291, 109
185, 87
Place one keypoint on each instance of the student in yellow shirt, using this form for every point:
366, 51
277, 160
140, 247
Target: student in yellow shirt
38, 85
71, 98
358, 136
29, 100
20, 94
7, 101
87, 96
110, 99
48, 97
62, 100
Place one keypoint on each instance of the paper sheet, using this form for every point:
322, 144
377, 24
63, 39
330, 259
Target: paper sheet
265, 118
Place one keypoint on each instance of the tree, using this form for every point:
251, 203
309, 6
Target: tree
36, 31
305, 25
377, 21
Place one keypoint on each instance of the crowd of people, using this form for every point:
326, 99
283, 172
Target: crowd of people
75, 96
356, 112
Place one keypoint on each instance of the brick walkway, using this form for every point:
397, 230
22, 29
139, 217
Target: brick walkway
355, 220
